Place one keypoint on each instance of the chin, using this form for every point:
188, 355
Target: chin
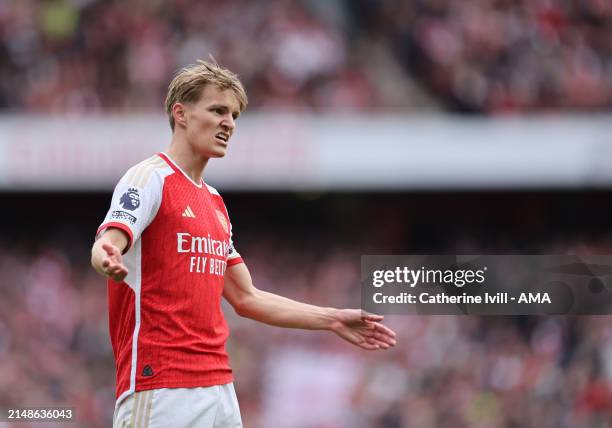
218, 153
214, 152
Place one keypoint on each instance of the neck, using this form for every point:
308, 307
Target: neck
183, 155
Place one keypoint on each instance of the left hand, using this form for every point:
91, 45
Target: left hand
363, 329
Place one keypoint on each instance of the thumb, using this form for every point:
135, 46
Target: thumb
109, 248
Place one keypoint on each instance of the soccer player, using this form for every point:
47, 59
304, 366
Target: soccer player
166, 248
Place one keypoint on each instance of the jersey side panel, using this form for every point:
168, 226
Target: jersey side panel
146, 180
122, 324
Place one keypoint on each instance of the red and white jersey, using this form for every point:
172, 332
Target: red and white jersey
166, 324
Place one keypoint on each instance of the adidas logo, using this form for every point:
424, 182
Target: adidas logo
188, 212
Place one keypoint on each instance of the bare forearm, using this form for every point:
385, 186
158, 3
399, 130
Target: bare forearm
353, 325
280, 311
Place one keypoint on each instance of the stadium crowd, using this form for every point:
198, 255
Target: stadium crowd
477, 56
61, 55
501, 56
459, 371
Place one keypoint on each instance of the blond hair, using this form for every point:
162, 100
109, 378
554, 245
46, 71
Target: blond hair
188, 84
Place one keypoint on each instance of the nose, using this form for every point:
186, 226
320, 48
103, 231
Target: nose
228, 124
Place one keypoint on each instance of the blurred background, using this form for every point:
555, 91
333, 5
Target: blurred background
374, 127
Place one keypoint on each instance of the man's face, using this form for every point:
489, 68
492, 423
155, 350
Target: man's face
210, 122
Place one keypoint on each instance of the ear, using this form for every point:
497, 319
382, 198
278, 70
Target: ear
179, 112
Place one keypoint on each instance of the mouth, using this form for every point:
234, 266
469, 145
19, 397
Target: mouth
222, 138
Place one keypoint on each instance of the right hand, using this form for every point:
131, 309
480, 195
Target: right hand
107, 260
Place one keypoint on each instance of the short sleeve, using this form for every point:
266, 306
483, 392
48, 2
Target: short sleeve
233, 257
134, 205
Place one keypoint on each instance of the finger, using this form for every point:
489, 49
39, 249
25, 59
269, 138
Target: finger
381, 343
119, 276
380, 338
384, 329
115, 270
113, 266
118, 270
369, 345
384, 338
379, 328
110, 249
367, 332
387, 341
366, 316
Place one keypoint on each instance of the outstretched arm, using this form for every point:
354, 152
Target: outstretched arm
106, 254
353, 325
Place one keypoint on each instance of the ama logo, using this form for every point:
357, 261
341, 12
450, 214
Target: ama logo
130, 200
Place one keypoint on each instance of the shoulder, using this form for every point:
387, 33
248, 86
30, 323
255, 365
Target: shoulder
140, 174
216, 197
212, 190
